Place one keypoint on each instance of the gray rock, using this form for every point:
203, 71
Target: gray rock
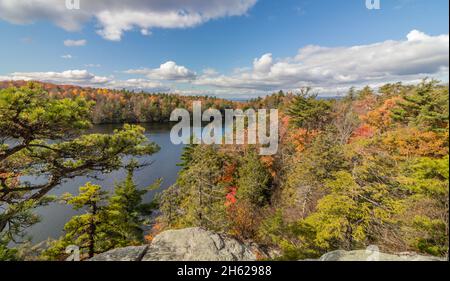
132, 253
371, 254
197, 244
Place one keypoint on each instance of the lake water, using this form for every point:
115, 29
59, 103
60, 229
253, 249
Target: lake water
55, 215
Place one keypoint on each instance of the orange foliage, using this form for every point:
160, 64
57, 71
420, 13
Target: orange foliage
364, 131
268, 162
228, 175
300, 138
409, 142
244, 219
156, 229
380, 118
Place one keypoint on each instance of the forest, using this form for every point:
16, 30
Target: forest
368, 168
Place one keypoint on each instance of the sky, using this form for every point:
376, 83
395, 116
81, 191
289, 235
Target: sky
225, 48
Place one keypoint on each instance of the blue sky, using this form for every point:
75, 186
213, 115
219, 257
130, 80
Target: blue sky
227, 48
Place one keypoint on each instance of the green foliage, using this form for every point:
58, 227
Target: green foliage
427, 228
350, 213
126, 211
426, 107
254, 180
186, 156
201, 194
308, 112
7, 254
350, 184
85, 230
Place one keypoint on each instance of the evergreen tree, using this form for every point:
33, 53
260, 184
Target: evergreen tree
88, 230
427, 229
127, 212
186, 155
203, 193
308, 112
426, 106
254, 180
7, 254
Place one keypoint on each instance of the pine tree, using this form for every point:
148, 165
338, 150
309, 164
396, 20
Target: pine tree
201, 191
426, 106
308, 112
126, 211
88, 230
254, 180
186, 155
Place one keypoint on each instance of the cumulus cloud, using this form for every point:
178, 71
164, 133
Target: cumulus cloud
114, 17
333, 69
85, 78
263, 64
166, 71
68, 56
75, 43
78, 77
139, 84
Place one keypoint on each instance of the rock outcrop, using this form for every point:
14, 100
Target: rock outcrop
190, 244
132, 253
197, 244
374, 255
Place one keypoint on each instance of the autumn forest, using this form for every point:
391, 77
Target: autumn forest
367, 168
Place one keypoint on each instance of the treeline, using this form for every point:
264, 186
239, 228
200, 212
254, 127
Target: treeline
123, 106
370, 168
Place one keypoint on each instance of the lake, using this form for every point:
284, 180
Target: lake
55, 215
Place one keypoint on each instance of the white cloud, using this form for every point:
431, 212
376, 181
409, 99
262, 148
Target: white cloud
85, 78
263, 64
139, 84
78, 77
114, 17
166, 71
336, 69
75, 43
68, 56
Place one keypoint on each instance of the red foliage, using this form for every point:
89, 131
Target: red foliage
364, 131
231, 196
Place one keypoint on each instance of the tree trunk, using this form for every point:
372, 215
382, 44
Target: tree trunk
92, 229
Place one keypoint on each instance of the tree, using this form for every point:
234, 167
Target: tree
186, 156
308, 112
200, 192
126, 211
43, 136
349, 216
426, 106
7, 254
254, 181
87, 231
427, 215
